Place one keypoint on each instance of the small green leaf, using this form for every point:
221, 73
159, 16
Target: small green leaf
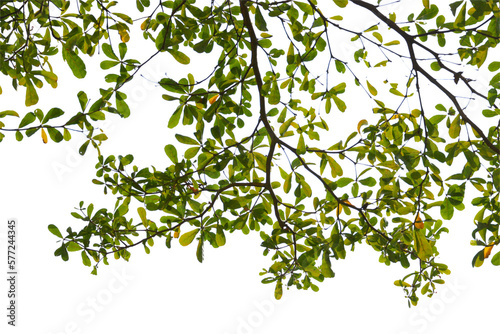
53, 113
494, 66
75, 63
371, 89
180, 57
455, 127
496, 178
171, 152
85, 259
142, 214
274, 96
73, 246
260, 23
341, 3
220, 238
495, 260
108, 51
55, 231
31, 95
278, 291
82, 98
301, 147
199, 251
8, 113
446, 209
188, 237
339, 103
186, 140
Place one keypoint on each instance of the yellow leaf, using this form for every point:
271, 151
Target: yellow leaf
487, 250
44, 136
339, 210
361, 123
426, 4
144, 24
213, 99
177, 232
339, 207
125, 37
419, 224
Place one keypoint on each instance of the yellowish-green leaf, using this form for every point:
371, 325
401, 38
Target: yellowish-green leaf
188, 237
301, 147
180, 56
142, 213
372, 89
455, 127
395, 42
31, 95
361, 123
341, 3
274, 96
422, 245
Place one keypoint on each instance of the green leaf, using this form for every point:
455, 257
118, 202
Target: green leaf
31, 95
301, 147
171, 152
341, 3
428, 13
85, 259
371, 89
121, 105
191, 152
199, 251
186, 140
8, 113
188, 237
288, 183
82, 98
174, 119
108, 51
220, 238
339, 103
75, 63
494, 66
278, 290
107, 64
142, 214
180, 57
55, 134
455, 127
73, 246
274, 96
496, 178
83, 148
460, 19
55, 231
495, 260
447, 209
53, 113
260, 23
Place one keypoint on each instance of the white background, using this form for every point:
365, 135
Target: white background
168, 291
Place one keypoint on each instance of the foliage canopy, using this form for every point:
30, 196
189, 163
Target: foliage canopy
263, 146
